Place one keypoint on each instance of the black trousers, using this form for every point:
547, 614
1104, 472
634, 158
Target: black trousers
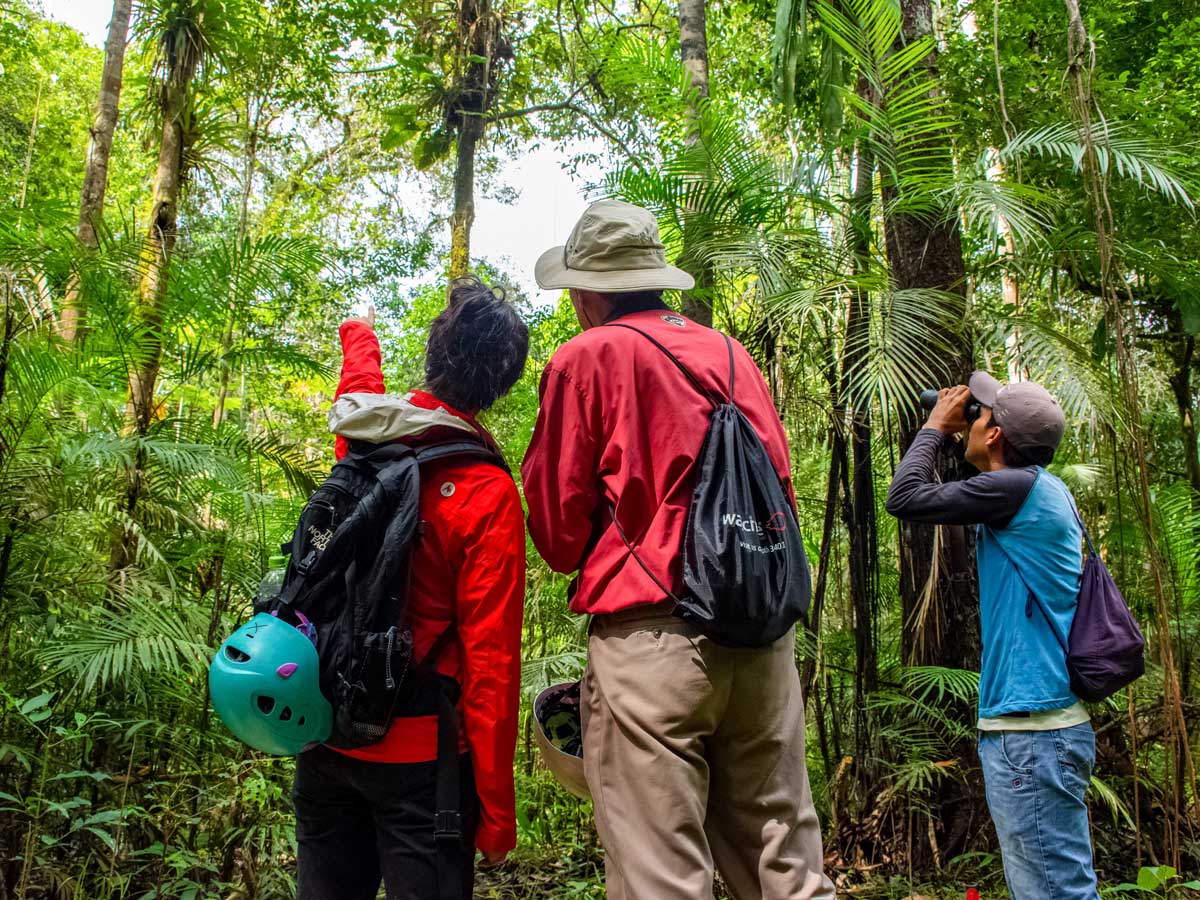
359, 822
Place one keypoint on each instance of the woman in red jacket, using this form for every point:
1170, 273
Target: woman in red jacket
366, 815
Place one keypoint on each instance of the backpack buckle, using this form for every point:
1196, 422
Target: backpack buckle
447, 824
304, 565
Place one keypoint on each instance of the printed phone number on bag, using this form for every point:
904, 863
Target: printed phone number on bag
772, 548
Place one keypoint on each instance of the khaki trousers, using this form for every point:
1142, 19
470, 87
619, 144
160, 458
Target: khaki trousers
694, 754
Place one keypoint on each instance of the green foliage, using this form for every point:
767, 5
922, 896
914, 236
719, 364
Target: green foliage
1157, 881
49, 78
1118, 151
319, 145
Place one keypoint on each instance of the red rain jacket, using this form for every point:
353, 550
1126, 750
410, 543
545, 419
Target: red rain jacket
620, 424
469, 569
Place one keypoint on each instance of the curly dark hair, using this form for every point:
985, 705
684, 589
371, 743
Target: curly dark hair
477, 347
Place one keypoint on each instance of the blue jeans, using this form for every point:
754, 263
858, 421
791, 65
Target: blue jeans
1035, 785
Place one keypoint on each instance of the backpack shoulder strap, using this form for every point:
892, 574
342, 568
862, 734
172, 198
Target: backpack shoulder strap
705, 392
476, 449
638, 558
1033, 597
375, 454
1078, 518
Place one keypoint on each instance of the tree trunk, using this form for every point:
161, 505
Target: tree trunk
812, 622
1183, 352
925, 251
1123, 319
860, 498
477, 41
463, 217
156, 258
95, 176
693, 51
156, 253
938, 587
253, 125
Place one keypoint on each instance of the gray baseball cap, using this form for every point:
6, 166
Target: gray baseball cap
1026, 412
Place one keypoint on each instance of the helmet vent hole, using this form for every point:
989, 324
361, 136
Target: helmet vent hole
266, 704
236, 655
286, 715
300, 724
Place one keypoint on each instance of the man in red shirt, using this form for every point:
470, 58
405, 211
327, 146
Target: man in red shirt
363, 815
693, 751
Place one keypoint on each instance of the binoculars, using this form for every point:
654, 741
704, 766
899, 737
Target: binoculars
929, 398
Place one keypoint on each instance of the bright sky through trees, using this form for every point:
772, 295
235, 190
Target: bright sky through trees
510, 235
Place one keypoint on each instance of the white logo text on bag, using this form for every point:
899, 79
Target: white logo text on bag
777, 522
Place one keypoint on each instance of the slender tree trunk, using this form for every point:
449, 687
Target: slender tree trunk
30, 144
1183, 353
860, 497
95, 176
463, 217
156, 258
1122, 317
693, 51
812, 624
925, 251
477, 41
250, 165
157, 251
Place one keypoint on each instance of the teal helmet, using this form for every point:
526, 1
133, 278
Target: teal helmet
265, 687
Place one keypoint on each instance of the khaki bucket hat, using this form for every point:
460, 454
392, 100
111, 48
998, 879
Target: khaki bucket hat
614, 247
559, 735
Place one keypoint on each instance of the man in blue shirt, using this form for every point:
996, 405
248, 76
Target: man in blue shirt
1035, 738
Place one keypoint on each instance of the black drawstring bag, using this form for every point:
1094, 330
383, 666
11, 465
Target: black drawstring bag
745, 573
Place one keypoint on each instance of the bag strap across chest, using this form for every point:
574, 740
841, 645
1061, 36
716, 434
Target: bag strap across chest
716, 401
701, 389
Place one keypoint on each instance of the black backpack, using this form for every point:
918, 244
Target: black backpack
745, 572
348, 575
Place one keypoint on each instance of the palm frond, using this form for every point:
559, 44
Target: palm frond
1058, 362
1118, 149
142, 633
936, 683
1109, 798
539, 673
905, 347
789, 42
996, 209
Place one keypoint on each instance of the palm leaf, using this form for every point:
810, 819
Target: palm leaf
1118, 149
142, 633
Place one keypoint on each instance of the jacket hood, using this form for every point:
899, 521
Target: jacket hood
379, 418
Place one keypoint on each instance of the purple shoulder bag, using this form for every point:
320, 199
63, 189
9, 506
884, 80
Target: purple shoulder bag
1105, 650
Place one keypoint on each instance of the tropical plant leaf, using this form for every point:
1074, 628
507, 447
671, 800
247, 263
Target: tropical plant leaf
1118, 150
